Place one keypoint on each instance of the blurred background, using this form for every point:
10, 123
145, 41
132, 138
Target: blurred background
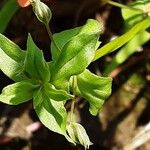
123, 122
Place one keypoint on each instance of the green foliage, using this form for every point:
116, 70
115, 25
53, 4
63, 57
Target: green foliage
11, 49
35, 65
80, 47
67, 35
94, 89
120, 41
127, 50
131, 17
51, 84
52, 113
18, 92
48, 83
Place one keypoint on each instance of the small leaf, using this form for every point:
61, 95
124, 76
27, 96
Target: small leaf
78, 134
11, 49
79, 48
94, 89
61, 39
11, 68
57, 95
52, 114
35, 65
17, 93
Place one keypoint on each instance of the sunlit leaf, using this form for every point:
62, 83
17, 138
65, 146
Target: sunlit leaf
80, 48
52, 114
11, 49
17, 93
11, 68
94, 89
67, 35
55, 94
35, 65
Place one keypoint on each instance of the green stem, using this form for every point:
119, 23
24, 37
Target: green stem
123, 6
72, 110
51, 36
73, 102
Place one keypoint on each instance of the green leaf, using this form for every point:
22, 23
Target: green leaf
6, 13
81, 48
118, 42
17, 93
61, 39
11, 49
57, 95
51, 92
132, 17
11, 68
37, 97
52, 114
94, 89
35, 64
126, 51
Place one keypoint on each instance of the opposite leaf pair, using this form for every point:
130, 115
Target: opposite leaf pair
49, 83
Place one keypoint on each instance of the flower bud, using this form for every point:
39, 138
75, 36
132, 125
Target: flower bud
42, 11
78, 134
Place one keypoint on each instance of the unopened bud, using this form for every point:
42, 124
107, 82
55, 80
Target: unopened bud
78, 134
42, 11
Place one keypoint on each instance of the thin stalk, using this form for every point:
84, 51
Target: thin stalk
51, 36
123, 6
72, 110
73, 102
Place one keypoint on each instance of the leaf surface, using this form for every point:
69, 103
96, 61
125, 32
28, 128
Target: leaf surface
61, 39
76, 55
52, 114
35, 64
11, 68
17, 93
94, 89
11, 49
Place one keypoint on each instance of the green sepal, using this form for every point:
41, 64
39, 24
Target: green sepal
94, 89
78, 134
18, 93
